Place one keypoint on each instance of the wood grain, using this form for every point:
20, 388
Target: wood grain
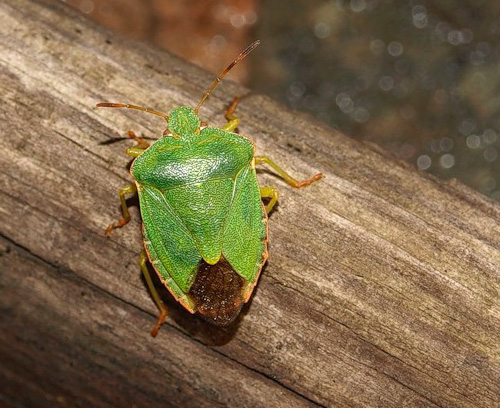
382, 287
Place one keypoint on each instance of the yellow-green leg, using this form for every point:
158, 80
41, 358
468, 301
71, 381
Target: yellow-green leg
273, 194
139, 148
126, 189
289, 179
129, 189
232, 120
154, 293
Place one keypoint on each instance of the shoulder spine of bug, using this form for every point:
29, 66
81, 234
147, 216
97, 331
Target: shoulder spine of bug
204, 222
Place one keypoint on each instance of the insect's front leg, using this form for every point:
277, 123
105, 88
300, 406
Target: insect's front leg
289, 179
154, 293
139, 148
232, 120
142, 143
126, 189
273, 194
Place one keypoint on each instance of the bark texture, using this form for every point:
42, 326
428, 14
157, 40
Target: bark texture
381, 290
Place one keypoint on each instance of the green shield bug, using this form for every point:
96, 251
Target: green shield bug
204, 222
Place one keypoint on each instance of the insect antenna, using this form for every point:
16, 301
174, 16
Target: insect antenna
245, 52
126, 105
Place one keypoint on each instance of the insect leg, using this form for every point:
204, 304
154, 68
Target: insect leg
139, 148
232, 120
142, 143
289, 179
272, 193
126, 189
154, 293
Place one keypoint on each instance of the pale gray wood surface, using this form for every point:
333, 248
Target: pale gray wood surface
381, 290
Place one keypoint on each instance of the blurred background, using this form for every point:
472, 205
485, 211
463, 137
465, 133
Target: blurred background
420, 78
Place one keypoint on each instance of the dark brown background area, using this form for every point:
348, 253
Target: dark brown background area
208, 33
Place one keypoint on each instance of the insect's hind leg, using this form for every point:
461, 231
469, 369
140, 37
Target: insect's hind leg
232, 120
273, 194
154, 293
126, 189
289, 179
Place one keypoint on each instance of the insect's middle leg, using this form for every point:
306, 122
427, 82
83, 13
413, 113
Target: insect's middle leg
273, 194
232, 120
126, 189
289, 179
154, 293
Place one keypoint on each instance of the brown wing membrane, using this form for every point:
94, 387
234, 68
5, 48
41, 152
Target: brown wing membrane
217, 292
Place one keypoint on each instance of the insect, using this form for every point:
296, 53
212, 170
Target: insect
204, 222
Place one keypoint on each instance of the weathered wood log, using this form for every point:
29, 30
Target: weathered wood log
382, 287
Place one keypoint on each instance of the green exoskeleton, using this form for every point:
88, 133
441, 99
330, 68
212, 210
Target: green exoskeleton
204, 222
